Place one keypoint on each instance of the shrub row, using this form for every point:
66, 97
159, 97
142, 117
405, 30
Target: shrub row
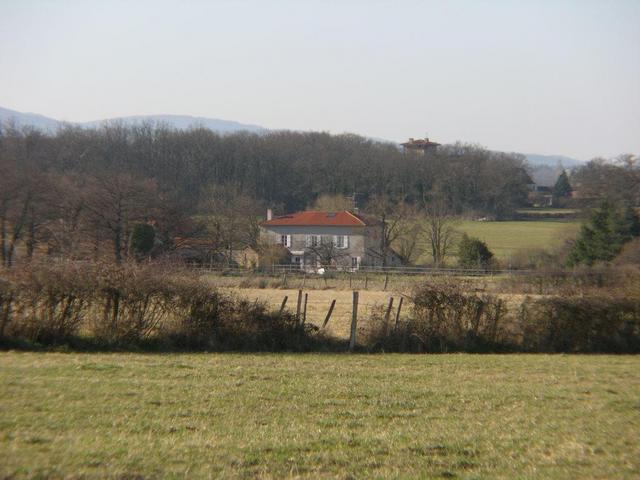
446, 318
132, 306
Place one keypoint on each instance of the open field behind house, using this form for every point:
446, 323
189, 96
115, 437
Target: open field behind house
318, 416
340, 322
506, 238
319, 302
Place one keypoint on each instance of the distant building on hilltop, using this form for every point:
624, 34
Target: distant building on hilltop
420, 145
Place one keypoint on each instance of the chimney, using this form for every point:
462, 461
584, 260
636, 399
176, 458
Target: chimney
269, 214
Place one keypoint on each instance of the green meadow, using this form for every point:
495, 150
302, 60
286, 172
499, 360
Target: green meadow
318, 416
506, 238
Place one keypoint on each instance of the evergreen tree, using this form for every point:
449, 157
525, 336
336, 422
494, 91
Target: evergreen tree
562, 188
473, 253
609, 228
142, 239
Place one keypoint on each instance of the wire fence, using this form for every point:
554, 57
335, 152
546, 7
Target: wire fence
332, 271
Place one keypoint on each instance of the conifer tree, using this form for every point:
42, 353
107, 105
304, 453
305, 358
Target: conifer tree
601, 239
562, 188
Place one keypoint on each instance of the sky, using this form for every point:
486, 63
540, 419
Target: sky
547, 77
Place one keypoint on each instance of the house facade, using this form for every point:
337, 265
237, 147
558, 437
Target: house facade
343, 239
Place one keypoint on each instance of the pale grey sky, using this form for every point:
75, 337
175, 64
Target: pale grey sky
550, 77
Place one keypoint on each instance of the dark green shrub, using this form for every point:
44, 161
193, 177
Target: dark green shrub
473, 253
142, 239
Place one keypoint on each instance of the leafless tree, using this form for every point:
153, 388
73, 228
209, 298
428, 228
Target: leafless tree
327, 253
115, 203
439, 228
231, 219
395, 219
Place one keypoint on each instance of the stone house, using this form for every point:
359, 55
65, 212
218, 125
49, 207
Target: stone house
344, 240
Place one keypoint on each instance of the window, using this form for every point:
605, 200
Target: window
313, 240
285, 240
341, 241
355, 262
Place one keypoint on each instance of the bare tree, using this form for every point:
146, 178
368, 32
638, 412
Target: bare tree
327, 253
231, 219
115, 203
395, 218
333, 203
439, 228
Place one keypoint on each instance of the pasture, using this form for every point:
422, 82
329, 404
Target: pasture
506, 238
318, 416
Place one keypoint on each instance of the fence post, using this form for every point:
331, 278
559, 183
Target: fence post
366, 281
387, 316
326, 319
298, 306
398, 312
284, 280
304, 280
386, 281
304, 314
284, 302
354, 322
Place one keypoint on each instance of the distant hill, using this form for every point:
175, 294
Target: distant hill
28, 119
180, 122
552, 160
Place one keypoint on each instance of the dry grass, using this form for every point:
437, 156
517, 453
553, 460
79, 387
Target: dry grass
319, 302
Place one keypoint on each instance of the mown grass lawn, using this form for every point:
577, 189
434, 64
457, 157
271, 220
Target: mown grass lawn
317, 415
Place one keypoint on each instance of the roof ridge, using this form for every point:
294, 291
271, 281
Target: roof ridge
356, 217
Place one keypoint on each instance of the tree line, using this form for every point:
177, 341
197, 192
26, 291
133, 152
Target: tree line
81, 192
85, 193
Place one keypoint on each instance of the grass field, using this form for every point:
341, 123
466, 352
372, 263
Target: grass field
318, 416
506, 238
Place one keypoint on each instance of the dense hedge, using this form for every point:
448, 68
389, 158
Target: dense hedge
131, 306
148, 307
446, 318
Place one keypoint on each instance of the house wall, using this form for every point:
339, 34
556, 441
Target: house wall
364, 242
356, 246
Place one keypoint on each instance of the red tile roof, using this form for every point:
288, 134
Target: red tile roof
317, 219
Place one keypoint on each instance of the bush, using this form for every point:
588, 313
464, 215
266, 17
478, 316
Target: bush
473, 253
142, 239
581, 324
444, 318
123, 306
46, 305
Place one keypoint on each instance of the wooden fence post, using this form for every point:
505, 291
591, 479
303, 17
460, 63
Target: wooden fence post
366, 281
386, 281
354, 322
298, 306
284, 302
304, 314
387, 316
304, 280
326, 319
284, 280
398, 312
